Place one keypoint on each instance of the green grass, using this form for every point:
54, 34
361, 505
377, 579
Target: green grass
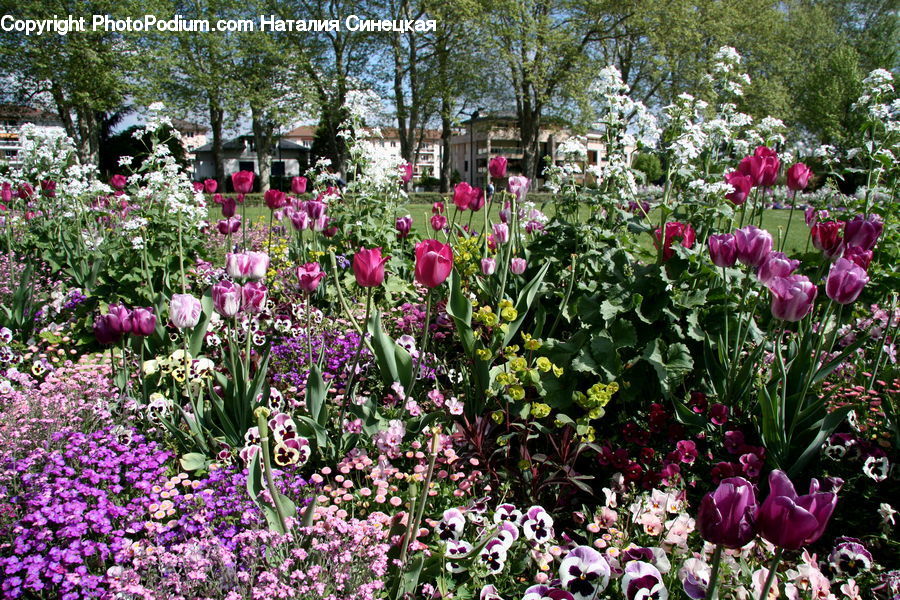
775, 221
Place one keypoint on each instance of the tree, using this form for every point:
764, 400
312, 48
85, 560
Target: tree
79, 76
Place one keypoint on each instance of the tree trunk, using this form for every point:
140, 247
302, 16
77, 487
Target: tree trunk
263, 137
529, 129
216, 118
446, 133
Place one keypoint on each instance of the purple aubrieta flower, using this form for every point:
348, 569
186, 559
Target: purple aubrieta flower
850, 557
451, 525
545, 592
537, 525
584, 572
643, 581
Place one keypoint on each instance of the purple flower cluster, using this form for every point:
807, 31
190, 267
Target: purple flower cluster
73, 511
289, 365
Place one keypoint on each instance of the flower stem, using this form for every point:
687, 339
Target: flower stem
714, 574
771, 576
263, 426
424, 346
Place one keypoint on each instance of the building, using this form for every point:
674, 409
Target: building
289, 159
428, 159
485, 136
12, 118
192, 135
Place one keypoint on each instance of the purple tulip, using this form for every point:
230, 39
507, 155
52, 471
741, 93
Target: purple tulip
722, 249
790, 521
315, 209
143, 322
298, 185
404, 226
226, 297
863, 233
253, 296
726, 515
776, 265
845, 282
184, 311
792, 297
107, 329
857, 255
584, 572
752, 245
300, 220
122, 318
505, 213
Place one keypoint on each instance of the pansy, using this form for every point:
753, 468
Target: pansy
584, 572
643, 581
283, 426
293, 451
489, 592
508, 533
537, 525
545, 592
451, 525
877, 468
493, 555
456, 550
850, 557
507, 512
694, 575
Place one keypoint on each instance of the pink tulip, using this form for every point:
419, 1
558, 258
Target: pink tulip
243, 181
776, 265
826, 236
210, 186
438, 222
518, 186
300, 220
798, 177
247, 265
298, 185
863, 232
501, 233
310, 275
406, 173
462, 195
226, 297
752, 245
368, 266
184, 311
253, 296
488, 266
741, 185
792, 297
846, 281
497, 167
517, 265
434, 261
143, 322
682, 231
722, 249
275, 199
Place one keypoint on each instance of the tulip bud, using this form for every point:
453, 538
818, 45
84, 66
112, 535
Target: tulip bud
184, 311
253, 296
798, 177
501, 233
488, 266
722, 249
462, 194
368, 266
845, 281
298, 185
434, 261
438, 222
792, 297
863, 232
403, 225
517, 265
310, 275
726, 516
752, 245
228, 207
143, 322
275, 199
406, 173
226, 297
210, 186
497, 167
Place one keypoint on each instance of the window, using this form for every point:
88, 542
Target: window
592, 157
466, 166
246, 165
278, 168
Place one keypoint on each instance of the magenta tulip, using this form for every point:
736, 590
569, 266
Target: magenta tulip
309, 276
143, 322
741, 184
368, 266
121, 320
476, 200
107, 329
863, 233
406, 173
226, 297
776, 265
462, 195
253, 297
858, 256
315, 209
726, 516
198, 186
184, 311
404, 226
210, 186
752, 245
826, 236
438, 222
674, 230
722, 249
298, 185
792, 297
275, 199
790, 521
752, 167
798, 177
846, 281
229, 206
242, 181
497, 167
434, 261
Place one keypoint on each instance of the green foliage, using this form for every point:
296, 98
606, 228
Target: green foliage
649, 165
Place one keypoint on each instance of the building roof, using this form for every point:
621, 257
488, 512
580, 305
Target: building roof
387, 133
188, 127
26, 113
304, 131
238, 144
